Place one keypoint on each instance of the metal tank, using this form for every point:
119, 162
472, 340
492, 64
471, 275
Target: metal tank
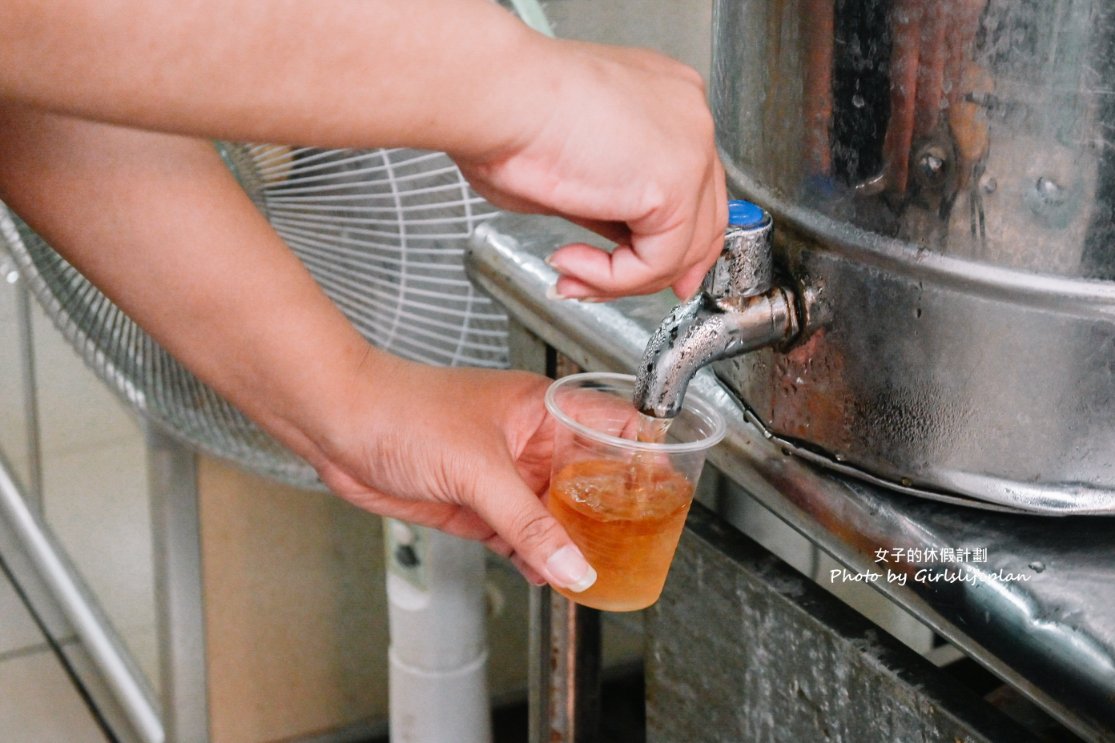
942, 184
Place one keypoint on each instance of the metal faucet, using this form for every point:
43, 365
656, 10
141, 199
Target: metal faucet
737, 309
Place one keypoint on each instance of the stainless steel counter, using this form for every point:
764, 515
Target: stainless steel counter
1031, 598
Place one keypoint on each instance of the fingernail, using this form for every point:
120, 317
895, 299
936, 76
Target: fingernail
549, 261
569, 569
553, 293
592, 300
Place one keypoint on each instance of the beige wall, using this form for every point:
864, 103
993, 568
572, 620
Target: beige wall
295, 611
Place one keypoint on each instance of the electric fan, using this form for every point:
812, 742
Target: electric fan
382, 231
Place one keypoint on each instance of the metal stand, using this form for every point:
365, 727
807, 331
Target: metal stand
24, 538
30, 398
172, 471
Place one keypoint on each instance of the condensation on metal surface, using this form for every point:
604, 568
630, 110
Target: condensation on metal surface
736, 311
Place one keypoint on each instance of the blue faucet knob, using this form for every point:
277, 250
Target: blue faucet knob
746, 215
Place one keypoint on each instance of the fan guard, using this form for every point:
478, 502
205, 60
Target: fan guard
382, 231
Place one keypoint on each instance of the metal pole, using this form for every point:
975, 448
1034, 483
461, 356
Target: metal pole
30, 395
176, 534
565, 671
538, 671
79, 609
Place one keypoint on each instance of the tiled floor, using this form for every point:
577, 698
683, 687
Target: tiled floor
39, 703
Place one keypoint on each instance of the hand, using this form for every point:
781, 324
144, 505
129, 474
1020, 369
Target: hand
466, 451
619, 141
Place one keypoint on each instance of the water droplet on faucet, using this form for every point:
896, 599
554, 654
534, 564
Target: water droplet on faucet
1050, 191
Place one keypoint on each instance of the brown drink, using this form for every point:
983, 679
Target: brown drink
626, 521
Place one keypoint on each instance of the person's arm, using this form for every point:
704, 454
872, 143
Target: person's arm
617, 139
160, 225
327, 72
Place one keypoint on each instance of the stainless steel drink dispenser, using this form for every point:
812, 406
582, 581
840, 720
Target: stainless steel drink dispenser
941, 183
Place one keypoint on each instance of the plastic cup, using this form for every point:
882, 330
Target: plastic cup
623, 500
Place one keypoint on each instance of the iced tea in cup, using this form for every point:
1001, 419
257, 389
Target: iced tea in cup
621, 483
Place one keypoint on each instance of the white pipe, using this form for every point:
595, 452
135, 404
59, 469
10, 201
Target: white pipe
78, 610
438, 656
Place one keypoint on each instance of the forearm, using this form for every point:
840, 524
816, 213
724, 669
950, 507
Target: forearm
134, 211
618, 140
238, 70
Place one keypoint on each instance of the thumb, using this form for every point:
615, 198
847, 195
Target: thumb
517, 515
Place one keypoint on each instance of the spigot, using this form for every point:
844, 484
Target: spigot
738, 309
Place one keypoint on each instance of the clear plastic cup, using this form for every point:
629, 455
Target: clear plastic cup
623, 500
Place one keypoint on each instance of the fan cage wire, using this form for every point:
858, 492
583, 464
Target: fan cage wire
382, 231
